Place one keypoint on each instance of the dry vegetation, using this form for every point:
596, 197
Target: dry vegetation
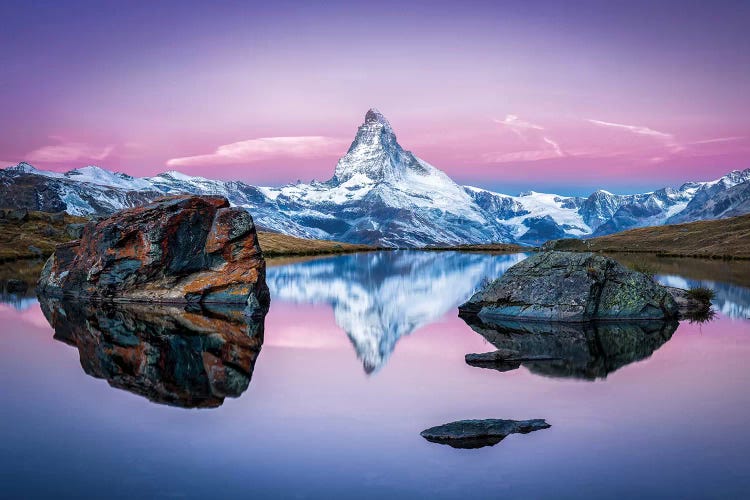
715, 239
30, 235
277, 245
736, 272
487, 248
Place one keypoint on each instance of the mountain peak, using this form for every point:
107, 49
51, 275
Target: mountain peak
375, 154
373, 116
24, 168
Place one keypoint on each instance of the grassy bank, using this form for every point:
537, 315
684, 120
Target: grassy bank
498, 248
282, 245
33, 235
736, 272
713, 239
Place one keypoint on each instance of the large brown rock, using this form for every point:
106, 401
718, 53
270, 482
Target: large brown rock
179, 249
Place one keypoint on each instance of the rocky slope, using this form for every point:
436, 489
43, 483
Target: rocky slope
28, 234
724, 238
384, 195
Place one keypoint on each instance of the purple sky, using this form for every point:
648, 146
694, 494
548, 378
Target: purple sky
559, 95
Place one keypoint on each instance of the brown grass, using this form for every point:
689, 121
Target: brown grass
736, 272
715, 239
39, 230
276, 245
498, 248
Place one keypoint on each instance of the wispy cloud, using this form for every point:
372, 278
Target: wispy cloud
265, 148
67, 151
555, 146
666, 139
520, 156
633, 128
532, 135
516, 125
719, 139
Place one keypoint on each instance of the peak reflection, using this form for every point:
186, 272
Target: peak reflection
379, 297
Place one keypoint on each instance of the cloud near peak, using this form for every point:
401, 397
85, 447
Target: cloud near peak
264, 148
67, 151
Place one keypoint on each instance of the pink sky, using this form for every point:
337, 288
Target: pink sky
500, 96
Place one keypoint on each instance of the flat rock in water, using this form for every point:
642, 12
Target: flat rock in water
503, 360
571, 287
178, 249
480, 433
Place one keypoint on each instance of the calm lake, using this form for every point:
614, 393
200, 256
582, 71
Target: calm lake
327, 396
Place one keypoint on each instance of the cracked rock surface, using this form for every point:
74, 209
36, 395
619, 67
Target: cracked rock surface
571, 287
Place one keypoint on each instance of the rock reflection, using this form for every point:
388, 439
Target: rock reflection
587, 351
172, 356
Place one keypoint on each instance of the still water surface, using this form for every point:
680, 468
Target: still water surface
326, 399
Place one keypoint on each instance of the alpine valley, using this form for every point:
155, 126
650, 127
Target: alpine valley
384, 195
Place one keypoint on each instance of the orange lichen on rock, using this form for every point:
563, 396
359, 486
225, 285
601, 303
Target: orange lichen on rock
174, 249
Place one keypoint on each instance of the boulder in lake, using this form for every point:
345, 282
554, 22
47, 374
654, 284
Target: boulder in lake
572, 287
179, 249
480, 433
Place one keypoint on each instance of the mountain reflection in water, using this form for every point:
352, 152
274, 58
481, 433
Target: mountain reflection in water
163, 353
586, 351
379, 297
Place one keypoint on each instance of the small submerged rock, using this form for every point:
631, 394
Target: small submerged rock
503, 360
572, 287
480, 433
179, 249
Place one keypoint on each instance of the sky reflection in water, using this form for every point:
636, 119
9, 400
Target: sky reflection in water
313, 423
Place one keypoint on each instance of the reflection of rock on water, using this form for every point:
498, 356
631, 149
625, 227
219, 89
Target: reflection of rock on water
164, 353
577, 350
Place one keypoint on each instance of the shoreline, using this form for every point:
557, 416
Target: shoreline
491, 249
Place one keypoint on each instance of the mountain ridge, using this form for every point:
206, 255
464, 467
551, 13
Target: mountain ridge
382, 194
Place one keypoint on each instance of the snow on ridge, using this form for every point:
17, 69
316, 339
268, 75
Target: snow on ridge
99, 176
382, 193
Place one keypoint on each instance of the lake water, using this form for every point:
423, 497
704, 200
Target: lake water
326, 398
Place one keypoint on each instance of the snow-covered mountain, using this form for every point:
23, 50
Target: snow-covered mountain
385, 195
379, 297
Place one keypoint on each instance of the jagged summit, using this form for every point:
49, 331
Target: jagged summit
373, 116
375, 155
736, 177
23, 167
